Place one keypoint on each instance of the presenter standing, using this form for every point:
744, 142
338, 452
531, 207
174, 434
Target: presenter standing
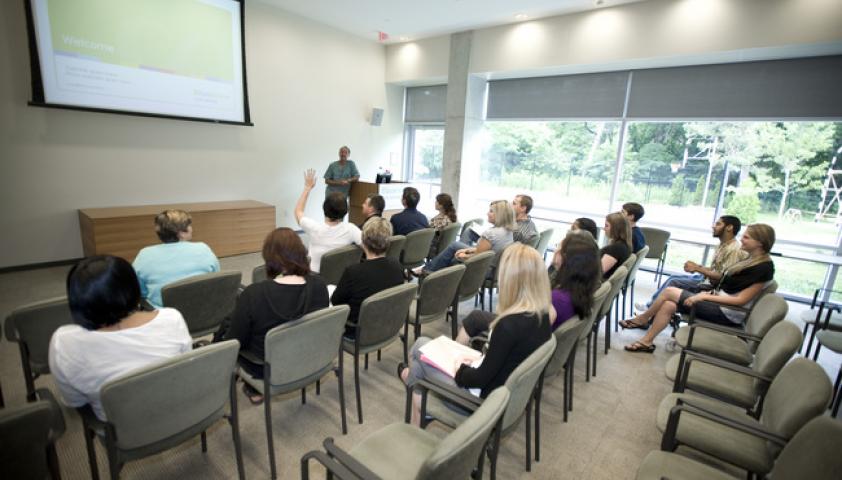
341, 174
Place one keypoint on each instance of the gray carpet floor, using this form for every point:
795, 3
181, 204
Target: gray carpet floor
611, 428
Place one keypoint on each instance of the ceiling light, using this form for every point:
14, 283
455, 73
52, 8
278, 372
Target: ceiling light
521, 16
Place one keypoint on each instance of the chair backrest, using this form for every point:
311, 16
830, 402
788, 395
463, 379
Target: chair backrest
476, 269
33, 325
639, 256
544, 240
767, 311
812, 453
456, 455
616, 280
656, 240
492, 271
383, 314
466, 226
533, 241
629, 264
799, 393
447, 235
521, 382
164, 399
203, 300
25, 432
776, 348
438, 289
600, 297
396, 243
303, 348
566, 336
258, 274
335, 262
416, 247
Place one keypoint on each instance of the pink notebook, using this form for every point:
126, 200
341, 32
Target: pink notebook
443, 353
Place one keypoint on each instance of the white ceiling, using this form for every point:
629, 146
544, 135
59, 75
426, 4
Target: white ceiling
410, 20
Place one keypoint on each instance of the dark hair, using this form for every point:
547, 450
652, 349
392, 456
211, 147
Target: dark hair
284, 253
733, 221
335, 206
169, 223
587, 225
526, 201
411, 197
102, 290
580, 273
446, 203
377, 202
634, 209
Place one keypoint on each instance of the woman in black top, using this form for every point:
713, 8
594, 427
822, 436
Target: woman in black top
618, 243
739, 286
290, 292
375, 274
522, 325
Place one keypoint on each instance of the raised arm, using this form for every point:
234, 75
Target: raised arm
309, 183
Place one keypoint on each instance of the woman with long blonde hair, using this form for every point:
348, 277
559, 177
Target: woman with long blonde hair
522, 324
739, 286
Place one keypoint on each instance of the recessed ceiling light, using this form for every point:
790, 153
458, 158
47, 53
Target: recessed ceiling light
521, 16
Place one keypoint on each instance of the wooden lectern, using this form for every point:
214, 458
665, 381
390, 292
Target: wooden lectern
391, 192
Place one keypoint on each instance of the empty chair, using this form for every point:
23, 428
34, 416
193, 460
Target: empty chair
812, 453
443, 238
544, 242
827, 316
628, 285
203, 300
337, 260
833, 341
734, 344
302, 352
476, 269
416, 248
258, 274
566, 337
435, 295
658, 241
31, 327
160, 406
798, 394
382, 316
27, 450
401, 451
396, 243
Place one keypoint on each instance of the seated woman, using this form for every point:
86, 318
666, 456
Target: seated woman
586, 224
291, 292
522, 325
739, 286
446, 216
375, 274
578, 275
497, 238
111, 336
332, 232
618, 243
176, 258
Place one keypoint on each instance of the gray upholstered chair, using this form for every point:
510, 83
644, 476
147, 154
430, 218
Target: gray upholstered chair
400, 451
476, 269
523, 383
533, 241
164, 404
677, 319
544, 242
443, 238
620, 304
382, 316
658, 242
302, 352
733, 383
28, 451
203, 300
799, 393
31, 327
628, 285
435, 295
464, 234
730, 343
258, 274
566, 337
396, 243
812, 453
617, 280
601, 302
335, 262
833, 341
490, 282
416, 248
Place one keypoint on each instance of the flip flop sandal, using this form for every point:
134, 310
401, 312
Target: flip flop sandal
638, 347
628, 324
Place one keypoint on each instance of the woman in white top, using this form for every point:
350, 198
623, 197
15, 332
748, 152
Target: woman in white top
111, 336
332, 232
502, 216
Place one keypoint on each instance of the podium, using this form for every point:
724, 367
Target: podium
391, 192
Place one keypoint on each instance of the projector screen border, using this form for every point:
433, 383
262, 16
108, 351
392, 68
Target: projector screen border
33, 103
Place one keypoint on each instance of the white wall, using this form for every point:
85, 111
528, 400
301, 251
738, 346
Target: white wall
639, 35
311, 90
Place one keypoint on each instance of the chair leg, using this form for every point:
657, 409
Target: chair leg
608, 329
566, 401
366, 361
378, 355
267, 409
340, 374
357, 387
495, 450
318, 387
91, 449
810, 343
538, 419
595, 348
234, 421
528, 420
52, 462
588, 358
304, 396
572, 369
204, 437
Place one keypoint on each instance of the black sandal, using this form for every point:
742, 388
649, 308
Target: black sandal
639, 347
252, 394
628, 324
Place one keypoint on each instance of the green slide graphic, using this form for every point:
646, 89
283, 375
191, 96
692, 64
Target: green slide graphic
183, 37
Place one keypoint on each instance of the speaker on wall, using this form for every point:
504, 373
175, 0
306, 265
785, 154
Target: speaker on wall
376, 116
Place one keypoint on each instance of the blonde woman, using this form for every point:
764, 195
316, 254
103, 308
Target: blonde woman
522, 324
500, 236
739, 286
618, 244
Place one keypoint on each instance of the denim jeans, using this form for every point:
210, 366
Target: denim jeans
684, 282
445, 258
